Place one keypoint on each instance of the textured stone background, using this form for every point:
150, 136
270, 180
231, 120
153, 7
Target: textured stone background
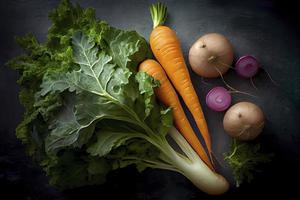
267, 29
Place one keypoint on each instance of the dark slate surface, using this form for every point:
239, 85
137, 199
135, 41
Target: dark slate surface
267, 29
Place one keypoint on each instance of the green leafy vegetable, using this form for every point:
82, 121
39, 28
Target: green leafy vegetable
49, 76
244, 158
87, 109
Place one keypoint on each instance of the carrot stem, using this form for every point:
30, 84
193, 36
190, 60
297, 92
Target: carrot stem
158, 14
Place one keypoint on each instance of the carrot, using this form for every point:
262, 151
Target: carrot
167, 95
166, 49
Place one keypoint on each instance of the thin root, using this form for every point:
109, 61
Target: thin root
270, 77
252, 83
233, 90
224, 64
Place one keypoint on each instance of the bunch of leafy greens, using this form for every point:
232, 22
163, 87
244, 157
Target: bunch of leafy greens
87, 110
244, 158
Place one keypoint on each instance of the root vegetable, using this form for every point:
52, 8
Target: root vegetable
209, 52
247, 66
244, 121
167, 95
218, 99
166, 48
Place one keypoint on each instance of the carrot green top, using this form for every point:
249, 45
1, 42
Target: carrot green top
158, 13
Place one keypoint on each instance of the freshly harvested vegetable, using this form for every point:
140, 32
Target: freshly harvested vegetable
62, 123
166, 49
247, 66
196, 170
218, 99
244, 121
211, 55
88, 110
167, 94
244, 160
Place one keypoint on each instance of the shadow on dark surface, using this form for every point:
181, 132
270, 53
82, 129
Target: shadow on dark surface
21, 178
284, 9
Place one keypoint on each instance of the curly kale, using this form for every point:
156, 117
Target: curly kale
69, 168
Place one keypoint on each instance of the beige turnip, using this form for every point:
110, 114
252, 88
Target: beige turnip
244, 121
211, 55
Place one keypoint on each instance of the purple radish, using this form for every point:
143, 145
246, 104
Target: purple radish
218, 99
247, 66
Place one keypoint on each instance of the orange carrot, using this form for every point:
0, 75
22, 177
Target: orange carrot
167, 95
166, 48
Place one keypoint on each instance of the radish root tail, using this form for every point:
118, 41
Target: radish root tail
224, 64
233, 90
252, 83
270, 77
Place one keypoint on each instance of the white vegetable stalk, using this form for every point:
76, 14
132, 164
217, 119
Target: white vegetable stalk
192, 167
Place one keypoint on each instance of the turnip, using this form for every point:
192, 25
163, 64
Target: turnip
248, 66
218, 99
211, 55
244, 121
